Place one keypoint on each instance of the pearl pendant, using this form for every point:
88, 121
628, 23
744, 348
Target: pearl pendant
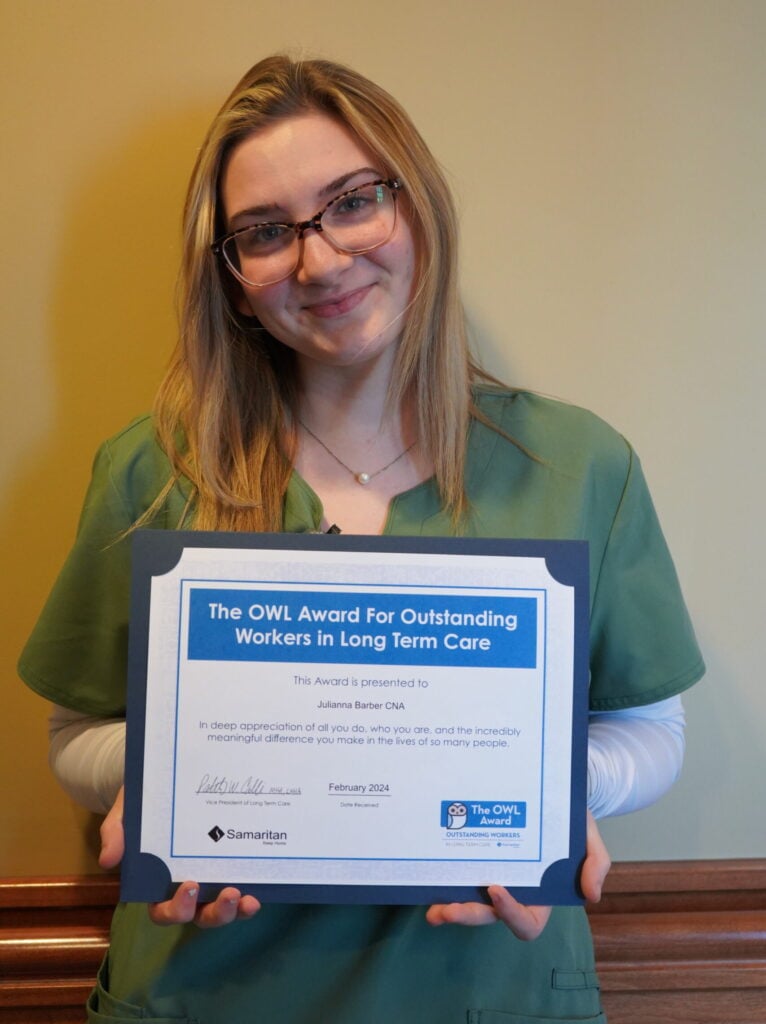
363, 478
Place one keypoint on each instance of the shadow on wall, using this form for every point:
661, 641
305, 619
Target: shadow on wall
110, 331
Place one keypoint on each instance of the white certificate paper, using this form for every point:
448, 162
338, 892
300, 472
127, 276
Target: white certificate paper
340, 719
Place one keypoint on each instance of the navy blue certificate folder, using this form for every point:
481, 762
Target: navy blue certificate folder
212, 623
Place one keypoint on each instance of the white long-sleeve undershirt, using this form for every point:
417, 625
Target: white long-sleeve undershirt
87, 756
634, 756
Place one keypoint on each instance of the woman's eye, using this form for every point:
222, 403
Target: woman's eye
264, 236
355, 203
269, 232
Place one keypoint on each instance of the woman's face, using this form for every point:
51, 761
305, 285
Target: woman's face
336, 308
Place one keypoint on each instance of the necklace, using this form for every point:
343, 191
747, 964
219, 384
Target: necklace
360, 476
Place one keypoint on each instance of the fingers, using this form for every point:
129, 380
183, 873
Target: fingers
229, 906
597, 863
184, 907
471, 914
525, 922
112, 834
178, 910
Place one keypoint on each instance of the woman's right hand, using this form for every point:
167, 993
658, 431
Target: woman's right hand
113, 834
183, 908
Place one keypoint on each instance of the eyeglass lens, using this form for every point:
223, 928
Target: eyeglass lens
356, 222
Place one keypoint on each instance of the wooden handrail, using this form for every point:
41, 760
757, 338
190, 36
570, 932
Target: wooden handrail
677, 942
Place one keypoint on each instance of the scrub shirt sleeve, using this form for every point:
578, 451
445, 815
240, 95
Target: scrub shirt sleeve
643, 647
77, 653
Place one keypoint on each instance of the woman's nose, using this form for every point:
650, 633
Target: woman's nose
319, 259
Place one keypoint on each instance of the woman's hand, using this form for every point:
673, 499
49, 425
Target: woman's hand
596, 864
527, 922
228, 906
113, 834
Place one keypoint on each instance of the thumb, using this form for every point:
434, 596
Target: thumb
597, 863
112, 834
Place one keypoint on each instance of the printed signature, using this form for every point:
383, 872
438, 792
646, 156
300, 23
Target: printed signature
251, 786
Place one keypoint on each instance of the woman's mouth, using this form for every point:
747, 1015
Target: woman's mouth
340, 305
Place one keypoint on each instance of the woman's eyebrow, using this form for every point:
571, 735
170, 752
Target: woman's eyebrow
344, 179
272, 210
257, 211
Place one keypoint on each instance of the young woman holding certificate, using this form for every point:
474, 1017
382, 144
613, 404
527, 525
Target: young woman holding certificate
322, 378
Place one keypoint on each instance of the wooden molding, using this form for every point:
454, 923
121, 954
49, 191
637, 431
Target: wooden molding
677, 942
683, 942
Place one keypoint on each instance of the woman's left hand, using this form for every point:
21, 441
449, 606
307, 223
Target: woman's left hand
527, 922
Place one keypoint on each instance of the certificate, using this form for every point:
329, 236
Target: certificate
346, 719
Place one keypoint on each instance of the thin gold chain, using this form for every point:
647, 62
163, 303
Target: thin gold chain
360, 476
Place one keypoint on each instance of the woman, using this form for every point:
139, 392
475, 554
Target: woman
322, 377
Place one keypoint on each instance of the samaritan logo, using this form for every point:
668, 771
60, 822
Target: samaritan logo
267, 836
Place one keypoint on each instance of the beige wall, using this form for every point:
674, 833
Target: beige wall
609, 160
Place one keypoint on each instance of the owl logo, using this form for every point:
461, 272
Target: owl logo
457, 814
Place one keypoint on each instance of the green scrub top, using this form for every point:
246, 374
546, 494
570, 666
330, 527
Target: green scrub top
366, 964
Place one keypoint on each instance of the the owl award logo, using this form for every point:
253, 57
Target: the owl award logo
457, 815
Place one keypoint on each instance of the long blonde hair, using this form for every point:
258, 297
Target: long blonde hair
228, 399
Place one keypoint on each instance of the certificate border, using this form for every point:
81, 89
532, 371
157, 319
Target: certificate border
156, 552
187, 584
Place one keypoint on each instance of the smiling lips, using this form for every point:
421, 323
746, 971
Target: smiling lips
339, 306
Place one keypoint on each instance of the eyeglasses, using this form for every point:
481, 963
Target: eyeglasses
355, 222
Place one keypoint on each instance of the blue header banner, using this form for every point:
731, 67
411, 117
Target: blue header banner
362, 628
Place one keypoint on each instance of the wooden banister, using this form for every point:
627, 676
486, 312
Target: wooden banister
677, 942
